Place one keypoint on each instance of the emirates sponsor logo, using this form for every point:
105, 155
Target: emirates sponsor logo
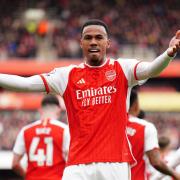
95, 96
105, 90
110, 75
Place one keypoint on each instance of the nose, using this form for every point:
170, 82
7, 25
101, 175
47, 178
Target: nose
93, 42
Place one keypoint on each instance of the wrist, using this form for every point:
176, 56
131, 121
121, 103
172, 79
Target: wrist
170, 53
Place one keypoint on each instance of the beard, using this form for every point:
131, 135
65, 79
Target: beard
95, 60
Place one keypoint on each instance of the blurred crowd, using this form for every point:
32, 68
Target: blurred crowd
147, 23
167, 124
12, 121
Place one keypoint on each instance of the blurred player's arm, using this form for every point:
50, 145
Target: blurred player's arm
173, 162
18, 152
16, 165
145, 70
66, 142
18, 83
158, 163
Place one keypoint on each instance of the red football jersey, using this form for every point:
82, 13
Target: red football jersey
143, 137
46, 145
96, 100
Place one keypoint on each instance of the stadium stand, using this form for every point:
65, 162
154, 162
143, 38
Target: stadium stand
29, 29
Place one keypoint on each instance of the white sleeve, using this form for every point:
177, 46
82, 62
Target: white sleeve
19, 147
57, 79
129, 68
66, 142
147, 70
175, 160
18, 83
151, 137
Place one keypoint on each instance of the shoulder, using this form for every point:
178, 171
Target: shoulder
63, 71
127, 65
142, 122
137, 120
65, 68
31, 125
27, 128
126, 61
71, 66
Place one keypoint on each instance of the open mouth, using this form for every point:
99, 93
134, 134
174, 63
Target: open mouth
93, 50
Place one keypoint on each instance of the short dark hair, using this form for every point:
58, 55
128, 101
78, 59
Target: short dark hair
141, 114
50, 100
163, 141
95, 22
133, 96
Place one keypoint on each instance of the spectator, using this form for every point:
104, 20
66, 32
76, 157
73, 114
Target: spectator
125, 25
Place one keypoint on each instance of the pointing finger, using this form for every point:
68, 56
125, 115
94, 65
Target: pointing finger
178, 34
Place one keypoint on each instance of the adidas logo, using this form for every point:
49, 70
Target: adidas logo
81, 81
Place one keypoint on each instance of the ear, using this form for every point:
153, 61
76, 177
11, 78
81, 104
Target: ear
81, 43
57, 110
108, 43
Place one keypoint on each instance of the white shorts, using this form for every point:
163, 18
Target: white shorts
98, 171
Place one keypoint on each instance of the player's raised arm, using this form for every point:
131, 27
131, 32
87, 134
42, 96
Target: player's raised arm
174, 45
147, 70
25, 84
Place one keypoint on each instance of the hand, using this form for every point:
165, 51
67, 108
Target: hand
174, 45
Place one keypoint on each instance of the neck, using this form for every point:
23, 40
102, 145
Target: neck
95, 63
49, 114
51, 111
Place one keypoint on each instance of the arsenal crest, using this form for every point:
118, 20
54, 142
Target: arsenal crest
110, 75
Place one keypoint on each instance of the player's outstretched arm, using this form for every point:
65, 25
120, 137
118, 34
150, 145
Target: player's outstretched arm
147, 70
174, 45
23, 84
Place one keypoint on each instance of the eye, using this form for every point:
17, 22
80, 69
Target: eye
87, 37
99, 37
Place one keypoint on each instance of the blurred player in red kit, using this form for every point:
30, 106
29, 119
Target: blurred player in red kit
95, 93
46, 143
144, 141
